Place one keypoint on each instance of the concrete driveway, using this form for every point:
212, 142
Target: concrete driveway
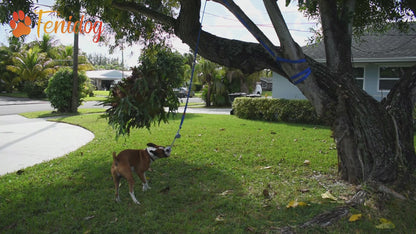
26, 142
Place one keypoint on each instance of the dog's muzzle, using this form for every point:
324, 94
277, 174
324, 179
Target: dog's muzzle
168, 150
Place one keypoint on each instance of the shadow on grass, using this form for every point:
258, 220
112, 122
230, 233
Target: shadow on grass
184, 198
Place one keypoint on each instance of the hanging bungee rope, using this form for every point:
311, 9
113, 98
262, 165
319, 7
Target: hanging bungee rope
295, 78
178, 135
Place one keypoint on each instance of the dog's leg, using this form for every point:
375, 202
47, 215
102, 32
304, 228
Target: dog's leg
145, 185
142, 177
134, 198
131, 188
117, 186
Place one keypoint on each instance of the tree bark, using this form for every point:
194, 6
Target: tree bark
75, 82
400, 104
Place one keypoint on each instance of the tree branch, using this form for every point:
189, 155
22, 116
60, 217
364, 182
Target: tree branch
246, 56
308, 87
140, 9
251, 27
337, 28
287, 43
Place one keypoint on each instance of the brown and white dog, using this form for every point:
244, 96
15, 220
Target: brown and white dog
129, 161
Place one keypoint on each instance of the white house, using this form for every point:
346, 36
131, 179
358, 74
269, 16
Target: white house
103, 79
377, 60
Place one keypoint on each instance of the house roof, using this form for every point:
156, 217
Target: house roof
391, 46
108, 74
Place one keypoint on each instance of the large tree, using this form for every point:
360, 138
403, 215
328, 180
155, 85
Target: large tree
374, 139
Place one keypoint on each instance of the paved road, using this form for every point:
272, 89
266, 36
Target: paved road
12, 106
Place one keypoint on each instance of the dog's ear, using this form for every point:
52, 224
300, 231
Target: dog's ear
151, 145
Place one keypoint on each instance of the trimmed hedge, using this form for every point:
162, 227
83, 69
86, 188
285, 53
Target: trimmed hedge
276, 110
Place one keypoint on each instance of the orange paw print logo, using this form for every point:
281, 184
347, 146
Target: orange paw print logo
20, 24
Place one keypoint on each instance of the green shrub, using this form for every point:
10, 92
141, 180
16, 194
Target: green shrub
35, 89
59, 89
293, 111
196, 86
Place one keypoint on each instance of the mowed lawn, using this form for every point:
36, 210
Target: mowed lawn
225, 175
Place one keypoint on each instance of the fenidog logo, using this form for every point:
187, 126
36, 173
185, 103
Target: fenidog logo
20, 25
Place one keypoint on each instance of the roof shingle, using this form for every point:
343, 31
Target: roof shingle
393, 44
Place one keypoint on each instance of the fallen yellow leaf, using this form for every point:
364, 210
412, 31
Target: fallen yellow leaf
294, 204
385, 224
219, 218
355, 217
328, 195
226, 192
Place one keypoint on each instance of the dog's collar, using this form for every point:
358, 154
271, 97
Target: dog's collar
151, 155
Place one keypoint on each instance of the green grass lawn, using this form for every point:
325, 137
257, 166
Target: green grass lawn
49, 114
217, 176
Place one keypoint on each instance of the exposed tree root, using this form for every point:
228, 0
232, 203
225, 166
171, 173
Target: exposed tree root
328, 218
384, 189
331, 217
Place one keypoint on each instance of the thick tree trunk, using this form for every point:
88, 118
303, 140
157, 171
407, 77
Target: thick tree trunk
365, 137
400, 104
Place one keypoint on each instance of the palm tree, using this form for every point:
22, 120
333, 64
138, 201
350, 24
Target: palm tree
64, 59
206, 73
31, 65
8, 79
48, 45
236, 75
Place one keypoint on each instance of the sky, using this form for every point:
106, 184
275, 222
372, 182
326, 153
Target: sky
217, 20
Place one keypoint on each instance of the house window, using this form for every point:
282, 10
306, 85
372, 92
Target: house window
388, 77
359, 76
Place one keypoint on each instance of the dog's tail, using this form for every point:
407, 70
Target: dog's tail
115, 158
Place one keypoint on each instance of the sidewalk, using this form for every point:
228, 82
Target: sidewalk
26, 142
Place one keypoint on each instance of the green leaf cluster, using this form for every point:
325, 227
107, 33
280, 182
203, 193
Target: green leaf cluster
369, 15
140, 100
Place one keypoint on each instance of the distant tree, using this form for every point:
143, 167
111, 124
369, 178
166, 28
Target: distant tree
47, 45
8, 79
206, 72
33, 68
64, 58
15, 44
31, 65
100, 62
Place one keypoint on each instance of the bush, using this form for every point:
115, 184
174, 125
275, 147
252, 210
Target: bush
59, 89
35, 89
293, 111
196, 86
